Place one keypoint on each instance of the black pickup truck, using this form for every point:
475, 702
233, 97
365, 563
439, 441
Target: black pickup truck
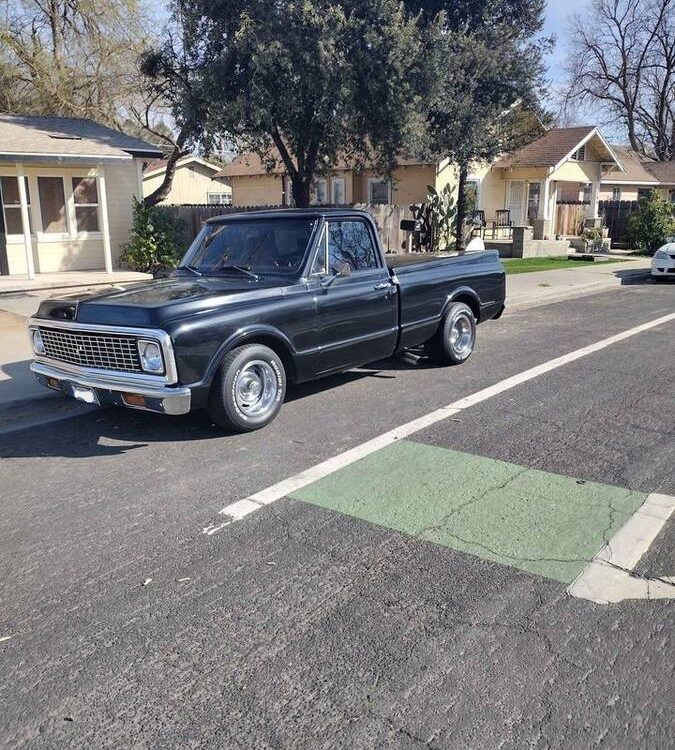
260, 299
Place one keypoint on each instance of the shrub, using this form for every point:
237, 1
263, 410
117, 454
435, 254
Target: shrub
649, 226
157, 240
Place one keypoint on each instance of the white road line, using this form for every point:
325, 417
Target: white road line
607, 579
238, 510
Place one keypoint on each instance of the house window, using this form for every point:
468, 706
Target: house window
643, 193
219, 199
533, 196
9, 187
616, 193
379, 190
52, 205
85, 196
671, 196
579, 154
338, 190
321, 191
586, 192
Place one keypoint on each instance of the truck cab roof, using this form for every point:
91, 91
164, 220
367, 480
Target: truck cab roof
291, 213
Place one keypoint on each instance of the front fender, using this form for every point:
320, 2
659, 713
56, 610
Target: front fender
258, 332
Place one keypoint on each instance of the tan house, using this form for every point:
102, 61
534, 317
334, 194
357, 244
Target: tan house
553, 184
253, 185
641, 175
194, 181
66, 189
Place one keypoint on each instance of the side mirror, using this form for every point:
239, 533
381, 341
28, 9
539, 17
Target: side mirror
342, 270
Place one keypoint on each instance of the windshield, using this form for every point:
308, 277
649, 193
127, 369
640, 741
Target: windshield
250, 247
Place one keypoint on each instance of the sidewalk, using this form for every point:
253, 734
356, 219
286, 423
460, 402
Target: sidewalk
18, 387
525, 290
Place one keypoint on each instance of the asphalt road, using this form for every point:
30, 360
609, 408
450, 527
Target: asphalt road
414, 600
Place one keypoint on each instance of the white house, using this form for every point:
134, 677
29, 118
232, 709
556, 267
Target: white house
66, 192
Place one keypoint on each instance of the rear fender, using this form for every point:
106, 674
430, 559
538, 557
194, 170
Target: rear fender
467, 295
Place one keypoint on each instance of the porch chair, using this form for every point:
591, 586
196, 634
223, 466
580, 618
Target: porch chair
478, 223
502, 221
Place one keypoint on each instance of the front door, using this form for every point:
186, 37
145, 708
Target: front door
516, 199
357, 313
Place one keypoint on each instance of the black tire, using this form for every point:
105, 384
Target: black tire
248, 390
455, 338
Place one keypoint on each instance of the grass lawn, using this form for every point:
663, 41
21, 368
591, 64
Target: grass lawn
527, 265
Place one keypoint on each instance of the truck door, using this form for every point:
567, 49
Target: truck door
356, 301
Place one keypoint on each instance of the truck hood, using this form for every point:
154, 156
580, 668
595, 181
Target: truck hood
150, 304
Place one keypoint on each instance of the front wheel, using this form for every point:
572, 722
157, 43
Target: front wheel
455, 339
248, 389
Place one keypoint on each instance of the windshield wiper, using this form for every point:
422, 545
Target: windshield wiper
240, 269
189, 268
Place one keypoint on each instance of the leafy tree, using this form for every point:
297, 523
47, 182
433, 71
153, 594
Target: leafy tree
622, 62
486, 100
652, 223
305, 81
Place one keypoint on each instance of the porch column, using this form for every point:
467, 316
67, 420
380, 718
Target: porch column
105, 227
545, 199
25, 220
593, 208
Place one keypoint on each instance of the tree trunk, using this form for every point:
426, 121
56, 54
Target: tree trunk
163, 190
461, 207
300, 187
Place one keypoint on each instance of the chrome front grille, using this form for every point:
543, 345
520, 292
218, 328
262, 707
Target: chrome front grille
97, 350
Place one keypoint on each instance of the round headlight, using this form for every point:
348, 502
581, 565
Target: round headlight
38, 343
151, 356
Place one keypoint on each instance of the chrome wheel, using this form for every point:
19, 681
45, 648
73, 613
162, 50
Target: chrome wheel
256, 388
461, 335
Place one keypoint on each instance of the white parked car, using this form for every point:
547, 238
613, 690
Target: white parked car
663, 262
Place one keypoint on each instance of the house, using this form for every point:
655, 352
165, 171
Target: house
554, 184
66, 189
253, 185
641, 175
193, 182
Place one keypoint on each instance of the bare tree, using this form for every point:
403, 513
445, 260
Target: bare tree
622, 60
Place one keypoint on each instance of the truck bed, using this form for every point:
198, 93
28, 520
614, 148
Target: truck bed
427, 282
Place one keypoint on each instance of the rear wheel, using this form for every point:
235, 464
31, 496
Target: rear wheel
454, 341
248, 389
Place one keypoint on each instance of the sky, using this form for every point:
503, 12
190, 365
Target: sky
558, 15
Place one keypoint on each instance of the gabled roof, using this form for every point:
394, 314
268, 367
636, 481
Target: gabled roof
636, 169
64, 137
554, 147
157, 166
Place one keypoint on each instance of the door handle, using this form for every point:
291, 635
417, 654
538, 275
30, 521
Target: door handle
382, 285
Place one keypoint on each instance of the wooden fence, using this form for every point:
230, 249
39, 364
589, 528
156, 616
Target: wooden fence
615, 217
387, 217
569, 217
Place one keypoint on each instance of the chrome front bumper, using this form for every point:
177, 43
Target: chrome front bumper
116, 390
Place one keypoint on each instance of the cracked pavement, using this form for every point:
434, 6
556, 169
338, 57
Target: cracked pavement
306, 627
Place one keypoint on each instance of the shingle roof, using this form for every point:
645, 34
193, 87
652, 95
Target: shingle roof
548, 150
664, 171
636, 169
156, 164
250, 164
67, 136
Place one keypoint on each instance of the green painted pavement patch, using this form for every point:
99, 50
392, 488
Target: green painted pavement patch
543, 523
